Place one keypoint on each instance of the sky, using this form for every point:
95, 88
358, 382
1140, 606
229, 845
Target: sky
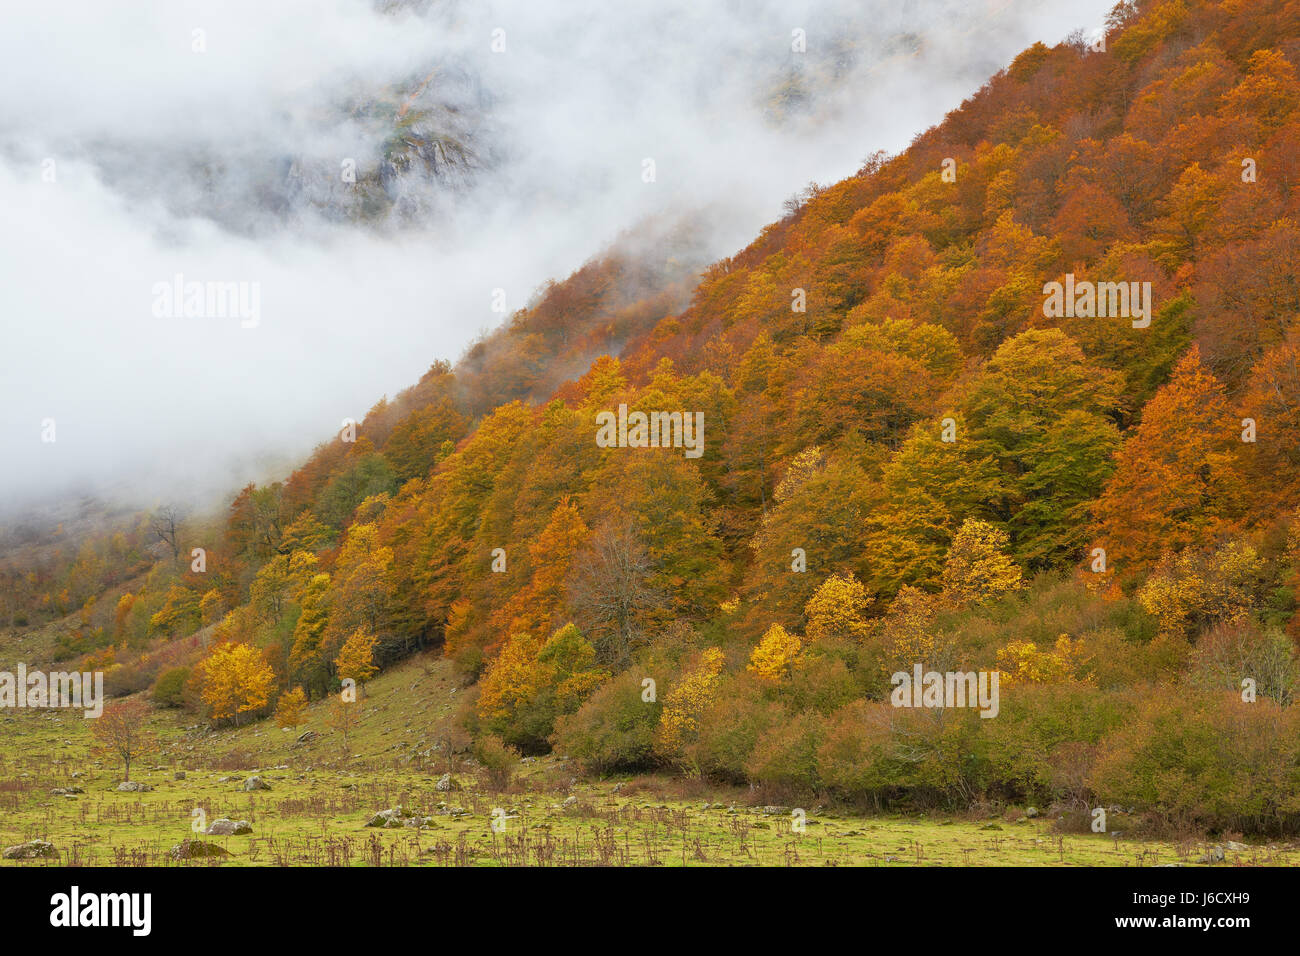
148, 140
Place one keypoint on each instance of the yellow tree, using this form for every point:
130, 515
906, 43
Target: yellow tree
363, 581
211, 609
305, 658
291, 709
279, 582
977, 566
511, 679
776, 654
837, 609
680, 721
356, 660
235, 679
1022, 662
906, 634
1190, 591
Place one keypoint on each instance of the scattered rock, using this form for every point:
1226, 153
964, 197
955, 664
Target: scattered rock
1236, 847
569, 801
1213, 855
228, 827
33, 850
133, 786
197, 849
387, 818
309, 735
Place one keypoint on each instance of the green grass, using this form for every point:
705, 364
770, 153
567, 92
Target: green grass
322, 797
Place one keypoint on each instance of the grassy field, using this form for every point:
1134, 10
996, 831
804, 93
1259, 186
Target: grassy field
321, 799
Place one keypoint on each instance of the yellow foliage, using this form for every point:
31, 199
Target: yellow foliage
1194, 589
511, 679
838, 609
977, 566
906, 632
803, 466
356, 660
776, 654
679, 722
1021, 662
291, 709
235, 679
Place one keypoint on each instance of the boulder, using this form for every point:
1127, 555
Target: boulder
197, 849
254, 783
387, 818
32, 850
133, 786
228, 827
446, 784
1213, 855
179, 775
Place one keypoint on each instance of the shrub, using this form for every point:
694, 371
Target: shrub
169, 688
785, 756
1194, 590
1206, 760
730, 727
1230, 653
498, 760
851, 760
1031, 750
532, 682
613, 730
824, 683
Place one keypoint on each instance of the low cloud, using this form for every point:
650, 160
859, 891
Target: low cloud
134, 149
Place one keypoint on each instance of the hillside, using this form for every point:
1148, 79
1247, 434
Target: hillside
914, 454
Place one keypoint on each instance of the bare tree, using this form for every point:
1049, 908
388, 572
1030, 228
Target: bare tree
166, 524
610, 592
121, 731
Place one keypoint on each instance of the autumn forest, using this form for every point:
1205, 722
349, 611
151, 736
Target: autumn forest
910, 461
